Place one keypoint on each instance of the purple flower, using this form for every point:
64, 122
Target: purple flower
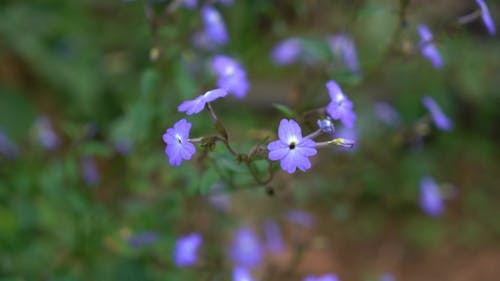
387, 277
214, 26
349, 138
286, 52
440, 119
343, 46
241, 274
431, 200
274, 239
186, 248
386, 113
340, 106
485, 14
300, 217
46, 135
427, 47
89, 170
327, 277
7, 147
291, 148
246, 249
232, 76
177, 141
190, 4
198, 104
142, 239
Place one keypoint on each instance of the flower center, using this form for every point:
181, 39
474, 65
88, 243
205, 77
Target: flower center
179, 139
292, 145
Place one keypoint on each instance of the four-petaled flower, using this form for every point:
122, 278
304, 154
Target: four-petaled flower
291, 148
485, 14
198, 104
340, 107
431, 200
427, 46
440, 119
186, 248
178, 147
232, 76
214, 26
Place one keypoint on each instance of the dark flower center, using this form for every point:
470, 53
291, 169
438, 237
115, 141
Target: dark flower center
292, 145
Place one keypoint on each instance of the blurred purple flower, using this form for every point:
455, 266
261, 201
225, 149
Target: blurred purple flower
198, 104
343, 46
440, 119
220, 198
232, 76
427, 46
142, 239
327, 277
246, 249
214, 26
431, 200
241, 274
291, 149
300, 217
186, 249
124, 146
190, 4
177, 141
340, 106
386, 113
274, 239
46, 135
89, 170
350, 137
387, 277
286, 52
7, 147
485, 14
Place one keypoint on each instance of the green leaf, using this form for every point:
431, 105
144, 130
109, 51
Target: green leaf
285, 110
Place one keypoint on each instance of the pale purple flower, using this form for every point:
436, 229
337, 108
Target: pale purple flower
340, 106
186, 249
246, 249
326, 277
291, 149
214, 26
89, 170
232, 76
190, 4
386, 113
343, 46
300, 217
142, 239
431, 200
286, 52
241, 274
440, 119
427, 46
198, 104
7, 147
46, 135
485, 15
177, 141
274, 239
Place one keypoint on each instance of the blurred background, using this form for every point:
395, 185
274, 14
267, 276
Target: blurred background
87, 88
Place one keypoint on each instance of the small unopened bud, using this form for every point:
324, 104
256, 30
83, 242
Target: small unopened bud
326, 126
344, 142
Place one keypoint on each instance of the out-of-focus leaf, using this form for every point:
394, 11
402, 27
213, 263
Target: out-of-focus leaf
285, 110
